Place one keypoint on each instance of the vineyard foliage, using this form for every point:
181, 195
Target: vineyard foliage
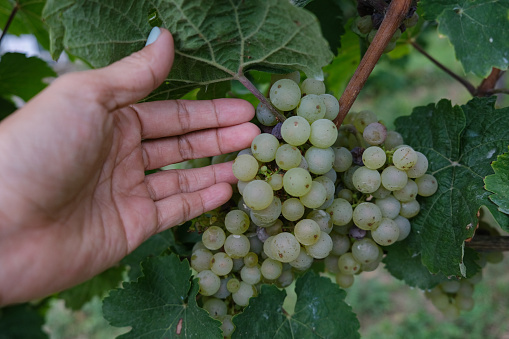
220, 45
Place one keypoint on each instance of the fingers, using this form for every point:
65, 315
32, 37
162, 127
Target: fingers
195, 145
178, 208
168, 118
171, 182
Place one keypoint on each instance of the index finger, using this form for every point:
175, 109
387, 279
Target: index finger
161, 119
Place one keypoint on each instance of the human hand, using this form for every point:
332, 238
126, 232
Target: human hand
75, 199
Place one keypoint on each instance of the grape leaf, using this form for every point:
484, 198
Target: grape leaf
22, 76
77, 296
330, 15
215, 40
478, 29
460, 143
320, 312
6, 108
161, 303
21, 321
27, 19
498, 183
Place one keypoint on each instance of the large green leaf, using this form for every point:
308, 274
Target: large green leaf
6, 107
20, 322
22, 76
320, 312
161, 304
498, 183
27, 19
330, 15
77, 296
478, 29
460, 143
215, 40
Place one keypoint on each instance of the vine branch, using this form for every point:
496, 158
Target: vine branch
395, 14
489, 243
259, 95
9, 21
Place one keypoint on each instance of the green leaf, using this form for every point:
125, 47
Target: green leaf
330, 15
20, 322
320, 312
79, 295
27, 19
498, 183
6, 107
213, 91
219, 42
22, 76
460, 143
52, 14
478, 29
161, 304
152, 247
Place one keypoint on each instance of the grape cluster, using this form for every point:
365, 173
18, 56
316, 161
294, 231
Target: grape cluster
309, 191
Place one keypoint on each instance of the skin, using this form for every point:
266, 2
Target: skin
75, 199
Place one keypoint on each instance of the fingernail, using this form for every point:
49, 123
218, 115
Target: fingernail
154, 34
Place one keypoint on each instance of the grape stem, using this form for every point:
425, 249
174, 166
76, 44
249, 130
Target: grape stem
252, 88
9, 21
489, 243
395, 14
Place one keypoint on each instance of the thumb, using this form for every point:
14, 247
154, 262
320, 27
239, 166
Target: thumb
134, 77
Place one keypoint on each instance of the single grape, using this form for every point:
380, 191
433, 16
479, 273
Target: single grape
323, 220
340, 243
407, 193
276, 181
374, 157
251, 259
328, 184
323, 133
296, 182
251, 275
276, 131
393, 178
264, 147
392, 140
331, 106
286, 247
320, 160
315, 197
285, 94
366, 180
387, 232
404, 227
311, 108
227, 325
340, 211
245, 292
321, 248
215, 307
367, 216
357, 233
296, 130
420, 167
357, 153
285, 279
307, 231
365, 251
258, 194
209, 282
268, 215
245, 167
404, 158
292, 209
271, 269
200, 259
427, 185
331, 264
288, 156
213, 238
344, 280
410, 209
236, 246
223, 292
342, 159
265, 115
236, 222
364, 24
381, 192
221, 264
303, 261
375, 133
389, 207
347, 264
312, 86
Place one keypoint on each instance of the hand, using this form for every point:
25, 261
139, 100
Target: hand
74, 198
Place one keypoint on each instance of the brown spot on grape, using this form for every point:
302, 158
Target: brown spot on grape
389, 241
296, 124
346, 267
307, 185
280, 255
278, 86
317, 106
355, 268
212, 260
315, 236
254, 147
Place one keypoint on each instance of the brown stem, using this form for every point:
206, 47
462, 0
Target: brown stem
471, 89
395, 14
9, 21
259, 95
489, 243
498, 91
489, 84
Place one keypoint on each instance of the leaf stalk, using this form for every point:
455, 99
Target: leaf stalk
9, 21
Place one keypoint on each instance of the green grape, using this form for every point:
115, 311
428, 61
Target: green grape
227, 325
331, 264
285, 279
236, 222
221, 264
396, 35
420, 167
241, 185
371, 35
346, 194
245, 167
323, 220
307, 231
320, 160
285, 94
387, 232
332, 175
311, 108
303, 261
265, 115
245, 292
312, 86
264, 147
315, 197
366, 180
364, 24
363, 119
297, 182
389, 207
340, 212
342, 159
328, 184
209, 282
323, 133
347, 264
200, 259
331, 106
233, 285
365, 251
367, 216
285, 247
348, 176
271, 269
258, 194
213, 238
267, 215
292, 209
381, 192
321, 248
276, 181
404, 227
288, 156
251, 275
450, 286
427, 185
223, 292
340, 243
393, 140
393, 178
404, 158
251, 259
410, 209
236, 246
215, 307
295, 130
374, 157
407, 193
375, 133
344, 280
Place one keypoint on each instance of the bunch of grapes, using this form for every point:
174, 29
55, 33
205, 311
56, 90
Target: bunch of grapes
308, 192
